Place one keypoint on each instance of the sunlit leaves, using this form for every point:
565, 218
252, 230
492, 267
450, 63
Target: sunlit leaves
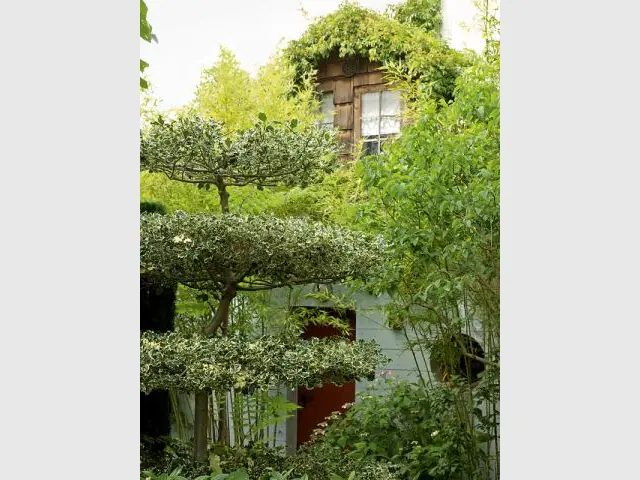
425, 14
229, 95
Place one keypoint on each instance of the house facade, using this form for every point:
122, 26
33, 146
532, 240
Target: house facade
367, 112
356, 100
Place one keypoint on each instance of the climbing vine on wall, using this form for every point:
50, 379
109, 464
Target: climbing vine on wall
356, 31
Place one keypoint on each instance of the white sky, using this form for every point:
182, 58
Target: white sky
190, 33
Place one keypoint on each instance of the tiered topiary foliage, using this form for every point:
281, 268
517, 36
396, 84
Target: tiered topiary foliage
193, 363
226, 254
252, 252
200, 151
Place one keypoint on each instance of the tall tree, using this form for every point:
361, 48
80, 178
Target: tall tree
436, 197
231, 96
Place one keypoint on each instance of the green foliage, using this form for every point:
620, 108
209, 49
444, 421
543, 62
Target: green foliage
439, 188
259, 461
173, 475
274, 93
421, 13
149, 105
315, 461
256, 415
199, 151
152, 207
230, 96
356, 31
175, 457
147, 35
321, 461
335, 200
259, 252
435, 194
194, 363
407, 425
182, 196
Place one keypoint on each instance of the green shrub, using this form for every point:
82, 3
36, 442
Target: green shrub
258, 460
413, 427
314, 461
320, 460
176, 454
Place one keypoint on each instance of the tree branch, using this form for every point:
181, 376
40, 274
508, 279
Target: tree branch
481, 360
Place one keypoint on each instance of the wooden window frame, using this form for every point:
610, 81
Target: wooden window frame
357, 111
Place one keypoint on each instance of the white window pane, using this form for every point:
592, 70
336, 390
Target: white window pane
370, 126
370, 105
326, 107
390, 103
389, 125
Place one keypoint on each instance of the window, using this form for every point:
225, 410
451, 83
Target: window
326, 109
380, 119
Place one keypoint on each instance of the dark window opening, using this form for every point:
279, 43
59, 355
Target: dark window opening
448, 359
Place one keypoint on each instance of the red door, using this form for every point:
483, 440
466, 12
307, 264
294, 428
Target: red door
318, 403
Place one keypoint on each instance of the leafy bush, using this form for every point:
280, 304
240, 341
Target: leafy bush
320, 460
258, 460
152, 207
200, 151
176, 457
314, 461
418, 429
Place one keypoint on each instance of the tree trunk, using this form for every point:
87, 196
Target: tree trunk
200, 425
201, 419
224, 196
220, 319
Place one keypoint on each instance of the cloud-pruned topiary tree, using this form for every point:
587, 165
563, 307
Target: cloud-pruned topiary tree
226, 254
231, 253
200, 151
